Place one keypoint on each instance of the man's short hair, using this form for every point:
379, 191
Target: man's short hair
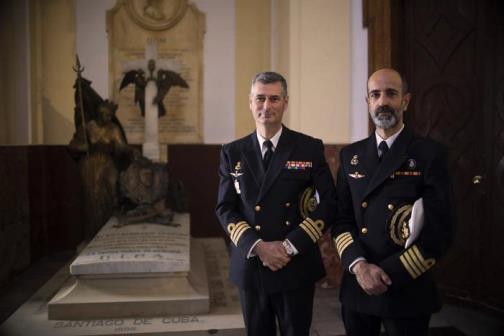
269, 77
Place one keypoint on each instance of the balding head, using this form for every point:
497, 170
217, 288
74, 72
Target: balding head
391, 76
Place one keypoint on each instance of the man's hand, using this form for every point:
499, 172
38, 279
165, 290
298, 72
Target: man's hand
272, 254
372, 279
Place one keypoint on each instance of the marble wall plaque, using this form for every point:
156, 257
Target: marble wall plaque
137, 249
177, 28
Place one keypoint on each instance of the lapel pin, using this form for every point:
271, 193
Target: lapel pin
355, 160
411, 164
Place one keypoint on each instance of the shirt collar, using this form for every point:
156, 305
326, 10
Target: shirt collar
390, 140
274, 140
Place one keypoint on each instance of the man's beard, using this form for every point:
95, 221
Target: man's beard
384, 117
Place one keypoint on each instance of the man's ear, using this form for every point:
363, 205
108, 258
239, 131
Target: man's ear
406, 100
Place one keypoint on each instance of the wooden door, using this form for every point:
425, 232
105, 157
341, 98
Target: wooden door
453, 57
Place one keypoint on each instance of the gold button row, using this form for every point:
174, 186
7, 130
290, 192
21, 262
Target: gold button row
364, 205
257, 208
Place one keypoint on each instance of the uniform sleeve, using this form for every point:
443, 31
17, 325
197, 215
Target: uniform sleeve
306, 235
228, 208
343, 231
437, 232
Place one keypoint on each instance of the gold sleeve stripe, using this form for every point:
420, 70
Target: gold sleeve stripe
344, 246
235, 229
412, 265
307, 230
343, 242
406, 265
415, 263
418, 264
343, 235
238, 236
237, 232
311, 224
427, 263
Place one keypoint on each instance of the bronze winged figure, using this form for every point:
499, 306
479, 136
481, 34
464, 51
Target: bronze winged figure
164, 81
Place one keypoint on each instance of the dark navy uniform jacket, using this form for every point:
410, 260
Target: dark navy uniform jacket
374, 204
254, 204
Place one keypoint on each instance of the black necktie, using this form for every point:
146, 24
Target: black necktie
382, 149
268, 154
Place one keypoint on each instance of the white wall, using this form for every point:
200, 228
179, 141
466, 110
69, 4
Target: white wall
358, 107
219, 51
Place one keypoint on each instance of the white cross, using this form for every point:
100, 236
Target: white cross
150, 147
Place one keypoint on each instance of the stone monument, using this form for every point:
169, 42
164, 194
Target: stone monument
138, 270
171, 33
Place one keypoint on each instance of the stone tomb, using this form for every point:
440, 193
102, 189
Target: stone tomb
136, 270
224, 318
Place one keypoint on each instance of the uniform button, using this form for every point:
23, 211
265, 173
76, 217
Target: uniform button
257, 208
390, 206
364, 230
287, 223
287, 204
258, 227
364, 205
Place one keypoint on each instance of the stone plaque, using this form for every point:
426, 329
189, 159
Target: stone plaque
176, 28
137, 248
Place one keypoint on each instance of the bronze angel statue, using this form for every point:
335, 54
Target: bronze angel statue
164, 81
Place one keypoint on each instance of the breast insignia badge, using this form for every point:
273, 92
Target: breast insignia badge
237, 173
356, 175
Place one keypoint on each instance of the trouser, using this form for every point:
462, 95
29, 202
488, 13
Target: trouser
292, 309
360, 324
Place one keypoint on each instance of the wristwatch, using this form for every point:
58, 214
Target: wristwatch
288, 248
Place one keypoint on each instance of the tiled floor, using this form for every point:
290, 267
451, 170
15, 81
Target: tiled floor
326, 317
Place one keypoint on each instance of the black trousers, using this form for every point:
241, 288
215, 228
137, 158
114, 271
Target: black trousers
292, 309
359, 324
